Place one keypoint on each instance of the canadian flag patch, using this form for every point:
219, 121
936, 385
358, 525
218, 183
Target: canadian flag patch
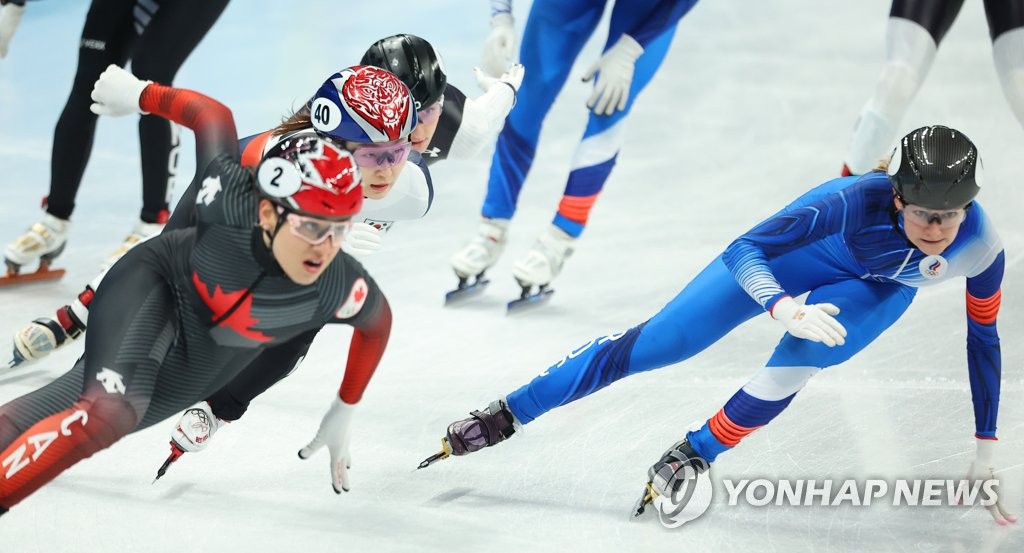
354, 302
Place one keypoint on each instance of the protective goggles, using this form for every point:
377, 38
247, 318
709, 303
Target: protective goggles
389, 155
947, 218
313, 230
431, 114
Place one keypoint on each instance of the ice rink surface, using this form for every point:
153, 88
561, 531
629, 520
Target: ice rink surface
754, 104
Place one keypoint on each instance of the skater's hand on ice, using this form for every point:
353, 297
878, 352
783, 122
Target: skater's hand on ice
335, 433
10, 16
982, 471
614, 76
362, 240
500, 45
117, 92
815, 322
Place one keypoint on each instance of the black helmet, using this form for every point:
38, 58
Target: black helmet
414, 61
935, 167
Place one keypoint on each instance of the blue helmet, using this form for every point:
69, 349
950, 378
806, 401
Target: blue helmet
363, 104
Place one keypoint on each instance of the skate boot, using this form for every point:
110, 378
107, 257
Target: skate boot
195, 428
676, 471
535, 271
192, 433
141, 231
41, 337
480, 254
491, 426
483, 429
43, 241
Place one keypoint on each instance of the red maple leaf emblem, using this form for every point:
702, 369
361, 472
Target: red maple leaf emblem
359, 294
220, 302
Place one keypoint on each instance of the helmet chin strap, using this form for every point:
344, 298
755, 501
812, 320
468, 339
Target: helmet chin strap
271, 235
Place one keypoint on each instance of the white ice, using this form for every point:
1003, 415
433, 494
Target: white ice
755, 104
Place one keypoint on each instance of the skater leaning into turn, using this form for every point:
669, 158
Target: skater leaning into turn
182, 314
861, 247
158, 37
639, 35
914, 32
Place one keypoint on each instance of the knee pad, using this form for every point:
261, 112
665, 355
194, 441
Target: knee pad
775, 383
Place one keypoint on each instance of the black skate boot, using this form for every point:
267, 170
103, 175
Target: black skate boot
485, 428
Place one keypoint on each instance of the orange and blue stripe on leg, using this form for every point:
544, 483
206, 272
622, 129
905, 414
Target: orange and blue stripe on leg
742, 414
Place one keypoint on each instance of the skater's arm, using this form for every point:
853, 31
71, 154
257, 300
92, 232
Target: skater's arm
210, 120
369, 340
747, 257
983, 352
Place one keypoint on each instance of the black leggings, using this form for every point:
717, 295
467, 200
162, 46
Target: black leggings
937, 16
158, 37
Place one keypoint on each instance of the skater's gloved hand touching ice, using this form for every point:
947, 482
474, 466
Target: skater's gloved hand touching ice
334, 433
982, 470
117, 92
815, 322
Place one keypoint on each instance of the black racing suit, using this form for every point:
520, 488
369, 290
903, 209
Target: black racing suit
181, 315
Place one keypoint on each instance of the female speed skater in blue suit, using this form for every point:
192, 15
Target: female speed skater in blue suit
639, 35
861, 247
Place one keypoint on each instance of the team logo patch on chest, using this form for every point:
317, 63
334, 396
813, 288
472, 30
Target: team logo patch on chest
933, 266
354, 302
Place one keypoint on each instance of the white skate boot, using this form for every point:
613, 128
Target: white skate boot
483, 250
540, 266
544, 261
44, 335
480, 254
195, 428
141, 231
42, 242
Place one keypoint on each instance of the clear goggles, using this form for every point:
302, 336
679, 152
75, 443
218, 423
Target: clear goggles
388, 155
431, 114
313, 230
946, 218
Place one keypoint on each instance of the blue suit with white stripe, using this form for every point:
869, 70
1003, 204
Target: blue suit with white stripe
843, 242
555, 33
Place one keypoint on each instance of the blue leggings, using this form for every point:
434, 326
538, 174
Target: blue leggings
555, 33
709, 307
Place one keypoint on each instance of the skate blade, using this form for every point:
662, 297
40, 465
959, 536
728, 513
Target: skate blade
466, 291
646, 499
40, 275
528, 301
176, 454
446, 451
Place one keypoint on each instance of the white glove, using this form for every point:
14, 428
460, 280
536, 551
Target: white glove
335, 434
117, 92
982, 469
195, 428
513, 78
362, 240
500, 45
614, 76
815, 322
10, 16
